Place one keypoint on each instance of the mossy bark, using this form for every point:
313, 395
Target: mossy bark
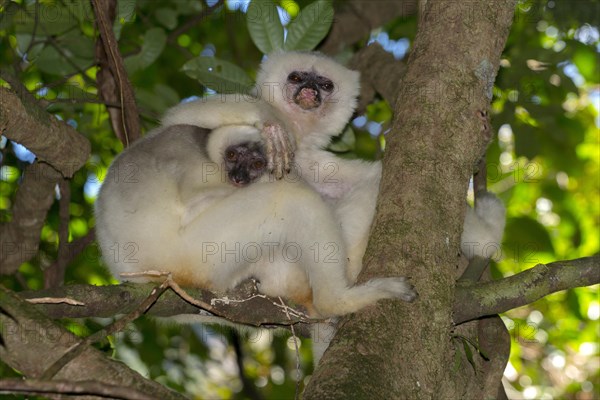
397, 350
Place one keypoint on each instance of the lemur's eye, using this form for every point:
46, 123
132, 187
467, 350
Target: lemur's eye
230, 155
294, 77
258, 164
327, 86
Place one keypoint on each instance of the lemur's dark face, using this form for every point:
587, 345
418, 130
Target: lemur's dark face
308, 89
244, 162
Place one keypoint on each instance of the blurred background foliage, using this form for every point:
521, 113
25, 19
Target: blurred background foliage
544, 165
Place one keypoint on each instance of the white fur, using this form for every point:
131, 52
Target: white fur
177, 218
200, 228
263, 231
349, 186
483, 227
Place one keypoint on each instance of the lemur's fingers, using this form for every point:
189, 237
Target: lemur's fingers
269, 148
279, 149
288, 153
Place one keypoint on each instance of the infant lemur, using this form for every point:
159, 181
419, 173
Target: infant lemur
166, 206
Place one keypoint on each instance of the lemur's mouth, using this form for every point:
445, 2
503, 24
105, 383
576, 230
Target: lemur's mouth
307, 97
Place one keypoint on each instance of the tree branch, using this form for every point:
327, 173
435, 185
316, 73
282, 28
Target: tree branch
56, 271
20, 238
481, 299
113, 83
430, 152
55, 142
55, 275
242, 305
379, 72
31, 343
103, 389
60, 151
355, 19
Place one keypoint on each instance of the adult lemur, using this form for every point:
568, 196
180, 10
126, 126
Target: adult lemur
303, 239
161, 203
312, 97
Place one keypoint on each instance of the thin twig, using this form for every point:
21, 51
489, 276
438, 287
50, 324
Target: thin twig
36, 18
55, 275
297, 393
55, 300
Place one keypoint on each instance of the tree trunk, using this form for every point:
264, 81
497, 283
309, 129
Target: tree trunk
397, 350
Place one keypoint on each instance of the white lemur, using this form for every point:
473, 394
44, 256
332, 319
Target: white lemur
307, 95
332, 206
165, 206
311, 97
244, 162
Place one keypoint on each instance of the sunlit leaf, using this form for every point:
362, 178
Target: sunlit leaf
310, 27
219, 75
586, 60
343, 143
264, 25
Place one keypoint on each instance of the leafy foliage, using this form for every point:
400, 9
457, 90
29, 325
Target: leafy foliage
264, 26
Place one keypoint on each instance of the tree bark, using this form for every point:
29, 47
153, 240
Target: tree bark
31, 343
494, 297
242, 305
53, 141
398, 350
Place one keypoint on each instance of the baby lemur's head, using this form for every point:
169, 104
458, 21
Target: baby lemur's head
244, 162
314, 92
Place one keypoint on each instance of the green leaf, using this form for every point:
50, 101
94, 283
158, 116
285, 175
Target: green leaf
344, 142
167, 17
310, 27
529, 238
573, 303
53, 19
154, 43
469, 355
81, 10
158, 98
264, 26
219, 75
586, 60
126, 10
77, 45
52, 62
527, 140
